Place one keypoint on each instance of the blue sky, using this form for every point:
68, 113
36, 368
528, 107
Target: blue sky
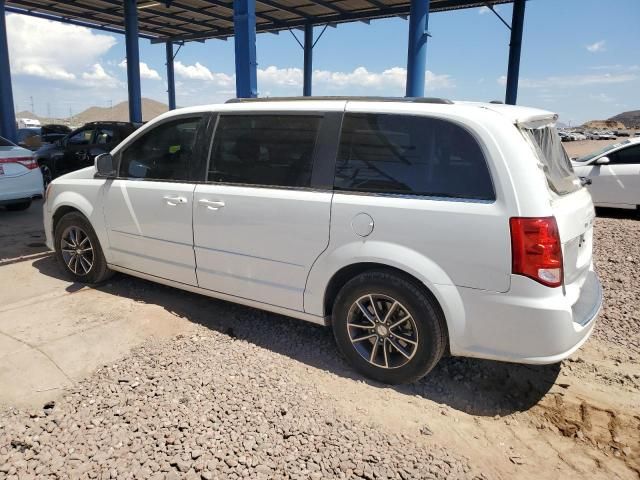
579, 59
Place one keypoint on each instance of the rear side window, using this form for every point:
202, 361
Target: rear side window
555, 161
271, 150
105, 135
404, 154
166, 152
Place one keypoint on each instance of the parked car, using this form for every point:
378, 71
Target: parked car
34, 138
623, 133
20, 177
413, 227
578, 136
614, 172
79, 148
607, 136
566, 137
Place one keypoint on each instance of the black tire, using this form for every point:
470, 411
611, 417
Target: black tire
428, 322
16, 207
47, 173
98, 271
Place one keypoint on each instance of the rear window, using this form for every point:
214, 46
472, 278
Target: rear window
405, 154
6, 143
555, 161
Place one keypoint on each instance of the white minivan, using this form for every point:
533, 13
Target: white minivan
415, 228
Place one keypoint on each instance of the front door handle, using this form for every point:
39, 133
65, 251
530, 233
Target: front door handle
173, 201
211, 204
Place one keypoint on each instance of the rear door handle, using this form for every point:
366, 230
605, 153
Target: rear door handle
211, 204
173, 201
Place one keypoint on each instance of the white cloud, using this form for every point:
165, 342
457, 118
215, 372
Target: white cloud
596, 47
200, 72
483, 10
573, 80
145, 70
99, 77
53, 50
289, 77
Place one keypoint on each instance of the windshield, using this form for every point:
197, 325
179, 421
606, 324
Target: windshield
556, 164
597, 153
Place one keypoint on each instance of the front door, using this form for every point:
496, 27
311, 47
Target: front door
76, 151
148, 207
258, 224
618, 182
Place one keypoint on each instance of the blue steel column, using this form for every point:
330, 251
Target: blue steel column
517, 25
7, 111
133, 60
308, 59
171, 80
417, 52
244, 22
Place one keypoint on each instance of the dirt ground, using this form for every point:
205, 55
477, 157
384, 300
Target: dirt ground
582, 147
135, 353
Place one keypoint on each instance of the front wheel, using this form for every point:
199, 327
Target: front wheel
47, 174
388, 327
78, 250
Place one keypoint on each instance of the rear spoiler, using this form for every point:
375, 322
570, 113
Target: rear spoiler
537, 121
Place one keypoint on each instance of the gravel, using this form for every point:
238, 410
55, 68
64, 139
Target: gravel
206, 406
617, 254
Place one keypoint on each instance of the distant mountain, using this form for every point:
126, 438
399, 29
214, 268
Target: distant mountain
630, 119
119, 112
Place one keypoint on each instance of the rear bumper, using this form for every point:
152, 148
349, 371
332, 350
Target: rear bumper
22, 187
529, 324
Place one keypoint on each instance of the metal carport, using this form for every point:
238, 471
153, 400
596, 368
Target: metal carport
177, 21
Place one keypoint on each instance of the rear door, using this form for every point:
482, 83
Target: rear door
148, 208
262, 218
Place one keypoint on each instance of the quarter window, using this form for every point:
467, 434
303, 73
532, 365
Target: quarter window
405, 154
104, 136
272, 150
167, 152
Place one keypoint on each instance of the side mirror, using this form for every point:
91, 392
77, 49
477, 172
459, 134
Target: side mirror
603, 160
105, 166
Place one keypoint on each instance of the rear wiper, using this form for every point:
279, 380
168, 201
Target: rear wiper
585, 181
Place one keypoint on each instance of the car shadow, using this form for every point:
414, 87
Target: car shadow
478, 387
619, 213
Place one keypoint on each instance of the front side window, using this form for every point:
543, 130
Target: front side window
271, 150
105, 136
626, 156
166, 152
81, 137
404, 154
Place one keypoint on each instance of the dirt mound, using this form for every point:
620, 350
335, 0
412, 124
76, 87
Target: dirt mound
608, 124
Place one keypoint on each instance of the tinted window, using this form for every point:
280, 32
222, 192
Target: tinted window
5, 143
410, 155
264, 150
166, 152
105, 135
629, 155
81, 137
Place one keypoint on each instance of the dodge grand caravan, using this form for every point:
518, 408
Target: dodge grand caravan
413, 227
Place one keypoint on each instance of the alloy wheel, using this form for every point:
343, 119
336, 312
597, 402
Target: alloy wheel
382, 331
77, 250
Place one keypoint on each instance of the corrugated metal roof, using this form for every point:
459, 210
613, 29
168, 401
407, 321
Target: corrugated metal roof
202, 19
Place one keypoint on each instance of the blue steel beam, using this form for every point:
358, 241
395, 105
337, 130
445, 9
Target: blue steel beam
308, 59
244, 21
133, 60
417, 51
171, 81
517, 25
7, 111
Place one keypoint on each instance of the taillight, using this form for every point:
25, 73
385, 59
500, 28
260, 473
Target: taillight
536, 250
28, 162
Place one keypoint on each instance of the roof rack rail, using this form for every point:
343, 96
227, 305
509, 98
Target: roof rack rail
348, 98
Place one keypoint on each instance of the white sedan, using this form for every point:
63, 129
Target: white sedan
20, 177
614, 172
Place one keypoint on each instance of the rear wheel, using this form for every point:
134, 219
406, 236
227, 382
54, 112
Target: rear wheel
388, 327
15, 207
78, 250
